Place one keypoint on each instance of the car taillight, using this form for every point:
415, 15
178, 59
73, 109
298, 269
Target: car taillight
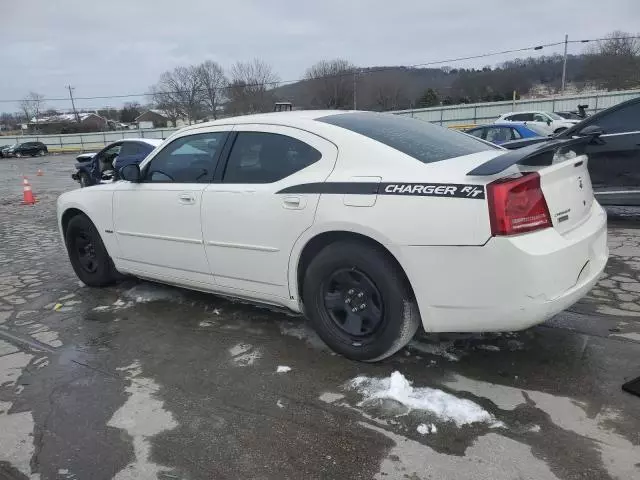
517, 205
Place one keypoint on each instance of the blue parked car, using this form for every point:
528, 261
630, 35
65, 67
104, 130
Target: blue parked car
95, 168
499, 133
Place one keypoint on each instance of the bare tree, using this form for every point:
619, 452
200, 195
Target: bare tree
251, 87
214, 84
330, 83
613, 63
180, 92
32, 105
167, 103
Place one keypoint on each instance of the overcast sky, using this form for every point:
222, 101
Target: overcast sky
120, 47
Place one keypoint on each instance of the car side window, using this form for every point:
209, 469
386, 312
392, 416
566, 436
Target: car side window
538, 117
258, 157
476, 132
515, 134
497, 134
626, 119
190, 159
128, 149
521, 117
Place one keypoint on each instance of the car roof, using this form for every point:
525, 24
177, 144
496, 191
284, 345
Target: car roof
154, 142
524, 111
292, 118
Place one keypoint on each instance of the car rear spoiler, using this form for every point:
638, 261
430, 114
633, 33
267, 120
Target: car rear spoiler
537, 155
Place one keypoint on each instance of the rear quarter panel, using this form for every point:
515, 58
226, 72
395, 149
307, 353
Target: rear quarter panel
408, 219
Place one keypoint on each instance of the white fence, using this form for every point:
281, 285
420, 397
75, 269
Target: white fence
475, 113
86, 142
453, 115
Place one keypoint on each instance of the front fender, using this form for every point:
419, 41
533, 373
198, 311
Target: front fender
95, 202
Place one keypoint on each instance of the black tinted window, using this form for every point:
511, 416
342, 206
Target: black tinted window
626, 119
258, 157
521, 117
189, 159
421, 140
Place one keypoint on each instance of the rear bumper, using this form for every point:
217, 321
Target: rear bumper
511, 283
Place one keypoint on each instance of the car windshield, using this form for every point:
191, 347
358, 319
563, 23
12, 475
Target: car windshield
554, 116
423, 141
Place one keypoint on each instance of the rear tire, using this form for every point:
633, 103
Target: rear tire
42, 153
387, 314
88, 255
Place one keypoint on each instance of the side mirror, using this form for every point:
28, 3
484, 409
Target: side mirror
591, 130
548, 122
131, 173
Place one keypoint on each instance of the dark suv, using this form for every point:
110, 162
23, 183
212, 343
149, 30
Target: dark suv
24, 149
614, 153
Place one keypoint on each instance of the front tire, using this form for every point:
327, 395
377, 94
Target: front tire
87, 253
358, 301
42, 153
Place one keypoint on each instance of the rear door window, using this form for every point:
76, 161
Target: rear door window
421, 140
261, 157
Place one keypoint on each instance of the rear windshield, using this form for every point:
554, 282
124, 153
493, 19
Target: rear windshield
421, 140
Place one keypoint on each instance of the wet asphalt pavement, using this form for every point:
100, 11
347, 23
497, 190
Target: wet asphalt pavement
141, 381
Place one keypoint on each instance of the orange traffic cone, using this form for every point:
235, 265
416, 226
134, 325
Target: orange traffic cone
28, 198
39, 173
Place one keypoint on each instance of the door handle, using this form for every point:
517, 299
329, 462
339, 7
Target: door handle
294, 202
186, 198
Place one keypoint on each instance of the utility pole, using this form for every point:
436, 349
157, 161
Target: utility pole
564, 64
355, 90
73, 105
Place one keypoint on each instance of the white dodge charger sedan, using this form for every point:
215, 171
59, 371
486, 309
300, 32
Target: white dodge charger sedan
368, 223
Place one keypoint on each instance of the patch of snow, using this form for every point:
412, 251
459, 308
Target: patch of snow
283, 369
535, 429
142, 416
216, 311
66, 297
439, 403
424, 429
63, 471
280, 404
243, 355
101, 308
205, 323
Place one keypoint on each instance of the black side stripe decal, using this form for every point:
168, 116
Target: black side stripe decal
452, 190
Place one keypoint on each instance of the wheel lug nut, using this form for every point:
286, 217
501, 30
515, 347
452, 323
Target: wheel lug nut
360, 295
347, 300
363, 306
351, 291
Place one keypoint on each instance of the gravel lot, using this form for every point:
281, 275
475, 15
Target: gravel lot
140, 381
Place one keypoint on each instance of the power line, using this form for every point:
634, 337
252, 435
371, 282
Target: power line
361, 71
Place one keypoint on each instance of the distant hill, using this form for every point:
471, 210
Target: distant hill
391, 87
